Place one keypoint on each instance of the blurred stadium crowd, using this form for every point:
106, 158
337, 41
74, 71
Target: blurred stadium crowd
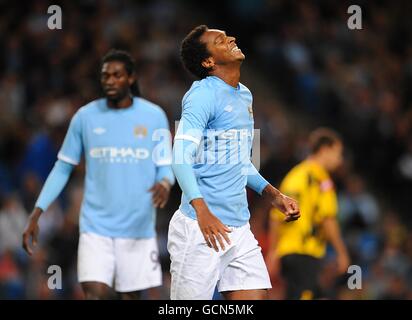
305, 69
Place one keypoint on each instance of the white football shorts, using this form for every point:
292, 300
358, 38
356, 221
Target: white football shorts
196, 269
125, 264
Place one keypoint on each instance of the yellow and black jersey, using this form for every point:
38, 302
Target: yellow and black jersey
311, 185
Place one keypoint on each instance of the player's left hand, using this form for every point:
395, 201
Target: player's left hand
288, 206
161, 191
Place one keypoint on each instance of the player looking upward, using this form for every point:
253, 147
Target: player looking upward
209, 241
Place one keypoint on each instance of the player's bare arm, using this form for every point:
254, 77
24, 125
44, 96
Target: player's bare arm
31, 231
332, 232
212, 228
285, 204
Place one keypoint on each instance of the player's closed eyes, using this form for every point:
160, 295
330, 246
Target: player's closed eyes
220, 39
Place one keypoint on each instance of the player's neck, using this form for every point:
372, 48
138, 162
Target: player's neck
318, 160
123, 103
229, 75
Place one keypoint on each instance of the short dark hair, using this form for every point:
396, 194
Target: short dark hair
129, 65
321, 137
193, 52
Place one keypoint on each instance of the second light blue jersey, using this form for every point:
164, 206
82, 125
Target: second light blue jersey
219, 119
126, 152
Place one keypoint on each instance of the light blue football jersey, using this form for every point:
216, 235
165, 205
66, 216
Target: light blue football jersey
219, 118
124, 149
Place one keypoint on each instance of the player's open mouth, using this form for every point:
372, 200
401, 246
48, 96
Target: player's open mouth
235, 49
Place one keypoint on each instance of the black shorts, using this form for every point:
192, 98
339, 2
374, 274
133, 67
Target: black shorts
300, 273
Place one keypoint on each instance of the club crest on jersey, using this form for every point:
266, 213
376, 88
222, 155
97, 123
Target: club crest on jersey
140, 131
326, 185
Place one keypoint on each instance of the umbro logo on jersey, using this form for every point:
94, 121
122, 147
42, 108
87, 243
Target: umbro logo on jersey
99, 130
228, 108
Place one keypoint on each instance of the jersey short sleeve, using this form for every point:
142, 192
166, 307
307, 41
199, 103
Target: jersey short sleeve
198, 110
328, 205
71, 150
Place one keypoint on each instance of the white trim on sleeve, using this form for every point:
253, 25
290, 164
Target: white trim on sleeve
187, 137
67, 159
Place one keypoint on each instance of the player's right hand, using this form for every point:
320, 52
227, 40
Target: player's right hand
212, 228
31, 232
343, 262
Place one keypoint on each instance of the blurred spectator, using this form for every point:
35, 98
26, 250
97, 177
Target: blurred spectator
12, 221
358, 209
